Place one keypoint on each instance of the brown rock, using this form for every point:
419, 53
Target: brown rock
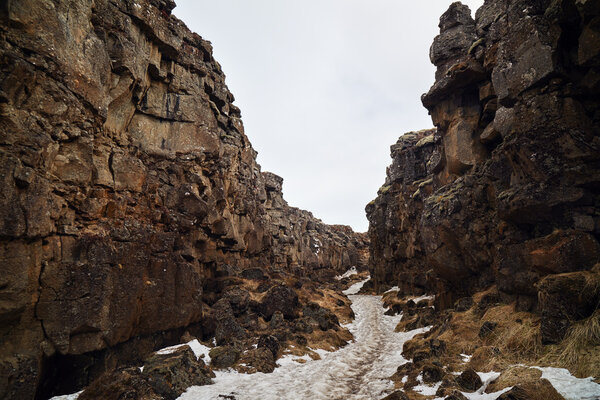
564, 299
397, 395
171, 374
224, 356
261, 359
432, 373
541, 389
514, 376
469, 380
165, 376
271, 343
456, 395
322, 316
279, 298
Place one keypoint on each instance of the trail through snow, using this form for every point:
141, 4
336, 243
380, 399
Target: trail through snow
357, 371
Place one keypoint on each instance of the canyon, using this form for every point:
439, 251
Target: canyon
134, 215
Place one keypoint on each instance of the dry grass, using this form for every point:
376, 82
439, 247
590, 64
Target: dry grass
462, 335
517, 336
580, 349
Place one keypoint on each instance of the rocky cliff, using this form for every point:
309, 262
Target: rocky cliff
505, 190
128, 185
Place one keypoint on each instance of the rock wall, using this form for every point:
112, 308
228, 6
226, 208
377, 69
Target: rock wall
127, 184
506, 189
307, 244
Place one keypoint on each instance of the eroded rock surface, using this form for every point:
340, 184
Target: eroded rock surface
505, 189
128, 186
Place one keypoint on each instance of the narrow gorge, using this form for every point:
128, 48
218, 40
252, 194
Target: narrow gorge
134, 216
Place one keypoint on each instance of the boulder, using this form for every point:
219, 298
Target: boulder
227, 328
224, 356
164, 376
322, 316
456, 395
271, 343
469, 380
260, 359
171, 374
397, 395
541, 389
432, 373
279, 298
565, 298
238, 298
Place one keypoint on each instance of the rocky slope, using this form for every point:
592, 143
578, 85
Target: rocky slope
505, 190
128, 189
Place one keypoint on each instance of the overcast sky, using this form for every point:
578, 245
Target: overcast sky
325, 87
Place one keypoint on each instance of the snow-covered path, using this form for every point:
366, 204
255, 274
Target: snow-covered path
357, 371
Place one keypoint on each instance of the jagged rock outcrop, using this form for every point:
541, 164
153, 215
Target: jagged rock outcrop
505, 190
127, 185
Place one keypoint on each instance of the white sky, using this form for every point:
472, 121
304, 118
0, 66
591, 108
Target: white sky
325, 87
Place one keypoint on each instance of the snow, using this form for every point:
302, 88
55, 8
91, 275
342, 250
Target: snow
486, 378
570, 387
427, 390
424, 389
350, 272
72, 396
360, 370
198, 348
466, 358
354, 289
424, 297
394, 289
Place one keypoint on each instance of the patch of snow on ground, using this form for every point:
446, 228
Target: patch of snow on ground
487, 378
570, 387
350, 272
358, 371
394, 289
427, 390
465, 357
198, 348
424, 297
424, 389
73, 396
354, 289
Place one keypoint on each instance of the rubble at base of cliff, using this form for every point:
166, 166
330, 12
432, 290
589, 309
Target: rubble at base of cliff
483, 348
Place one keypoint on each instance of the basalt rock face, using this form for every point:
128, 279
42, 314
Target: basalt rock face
506, 189
299, 239
127, 185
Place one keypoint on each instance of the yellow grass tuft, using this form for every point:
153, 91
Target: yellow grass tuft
580, 349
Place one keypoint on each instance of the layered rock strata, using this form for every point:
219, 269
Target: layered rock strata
127, 185
506, 189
